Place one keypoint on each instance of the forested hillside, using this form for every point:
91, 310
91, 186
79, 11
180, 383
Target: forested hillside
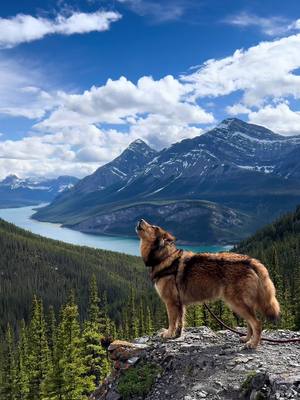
278, 247
46, 354
32, 265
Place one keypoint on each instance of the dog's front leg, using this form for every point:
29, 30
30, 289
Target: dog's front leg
173, 311
180, 321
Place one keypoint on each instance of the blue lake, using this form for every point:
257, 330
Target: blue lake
22, 218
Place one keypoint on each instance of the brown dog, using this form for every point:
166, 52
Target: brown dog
182, 278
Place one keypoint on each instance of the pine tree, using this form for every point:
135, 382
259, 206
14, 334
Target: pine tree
51, 334
8, 390
93, 310
287, 319
54, 381
194, 316
228, 317
149, 322
133, 319
104, 320
296, 298
38, 354
73, 382
141, 319
23, 388
125, 326
95, 355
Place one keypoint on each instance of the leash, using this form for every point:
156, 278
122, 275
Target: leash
293, 340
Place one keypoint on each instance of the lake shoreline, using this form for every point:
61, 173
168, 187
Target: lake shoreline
22, 217
179, 242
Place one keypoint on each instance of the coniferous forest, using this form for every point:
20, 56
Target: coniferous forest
57, 301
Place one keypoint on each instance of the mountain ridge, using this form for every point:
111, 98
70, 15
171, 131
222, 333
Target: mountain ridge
238, 165
17, 192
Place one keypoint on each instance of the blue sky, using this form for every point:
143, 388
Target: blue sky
79, 80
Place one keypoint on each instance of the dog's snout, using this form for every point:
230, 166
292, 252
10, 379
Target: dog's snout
140, 223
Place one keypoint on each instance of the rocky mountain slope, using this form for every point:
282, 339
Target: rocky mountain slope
238, 166
203, 364
15, 192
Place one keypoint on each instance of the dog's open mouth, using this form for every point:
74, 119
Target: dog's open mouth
139, 226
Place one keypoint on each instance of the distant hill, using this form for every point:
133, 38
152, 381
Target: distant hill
278, 247
31, 264
17, 192
237, 177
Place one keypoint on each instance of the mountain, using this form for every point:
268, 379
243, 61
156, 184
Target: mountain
238, 168
105, 181
16, 192
132, 160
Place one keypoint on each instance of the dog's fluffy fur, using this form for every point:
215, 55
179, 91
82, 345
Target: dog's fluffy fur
182, 278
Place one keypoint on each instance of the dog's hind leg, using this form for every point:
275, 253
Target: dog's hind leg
240, 308
174, 310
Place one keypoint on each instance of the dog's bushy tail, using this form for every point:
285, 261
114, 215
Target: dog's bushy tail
268, 304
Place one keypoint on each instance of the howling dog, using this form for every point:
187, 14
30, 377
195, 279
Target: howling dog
182, 278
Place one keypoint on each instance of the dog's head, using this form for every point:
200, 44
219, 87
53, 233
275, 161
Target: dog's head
156, 243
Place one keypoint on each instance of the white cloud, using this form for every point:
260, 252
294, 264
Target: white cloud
26, 28
159, 11
271, 25
280, 118
237, 109
47, 168
261, 72
19, 94
161, 102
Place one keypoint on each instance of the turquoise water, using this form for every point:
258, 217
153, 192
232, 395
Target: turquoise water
22, 218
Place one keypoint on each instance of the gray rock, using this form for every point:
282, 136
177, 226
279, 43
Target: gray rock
214, 365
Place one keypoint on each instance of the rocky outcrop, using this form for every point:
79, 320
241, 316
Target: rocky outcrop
203, 364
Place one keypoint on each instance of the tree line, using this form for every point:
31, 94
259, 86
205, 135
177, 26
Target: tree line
60, 358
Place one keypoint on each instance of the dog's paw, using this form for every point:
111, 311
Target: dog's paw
165, 334
251, 344
244, 339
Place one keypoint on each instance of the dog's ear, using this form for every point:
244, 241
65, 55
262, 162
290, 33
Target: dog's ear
166, 238
169, 237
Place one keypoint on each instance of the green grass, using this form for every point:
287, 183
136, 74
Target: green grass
138, 380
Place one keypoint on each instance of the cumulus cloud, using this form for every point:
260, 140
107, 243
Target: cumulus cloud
271, 25
117, 101
26, 28
261, 72
237, 109
280, 118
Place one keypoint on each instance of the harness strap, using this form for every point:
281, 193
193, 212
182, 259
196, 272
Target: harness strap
170, 270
